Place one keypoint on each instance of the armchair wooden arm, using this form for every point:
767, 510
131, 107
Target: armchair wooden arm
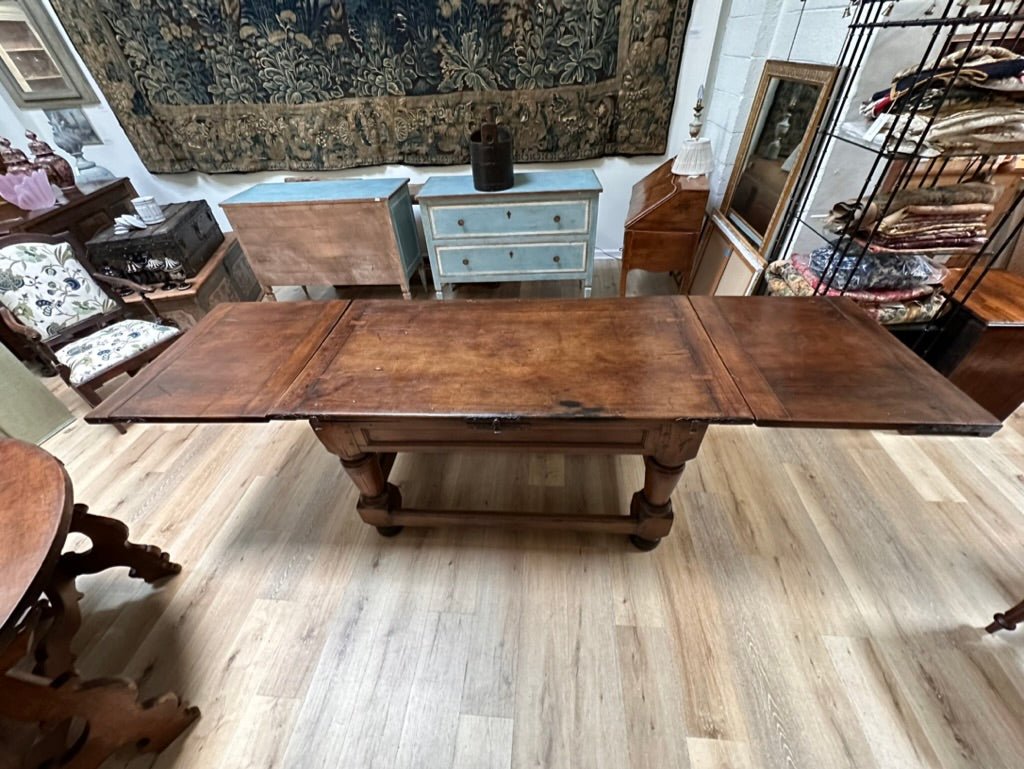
18, 327
110, 280
138, 288
34, 338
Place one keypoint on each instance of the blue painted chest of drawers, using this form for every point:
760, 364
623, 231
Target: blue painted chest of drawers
543, 228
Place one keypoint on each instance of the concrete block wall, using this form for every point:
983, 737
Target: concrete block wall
751, 33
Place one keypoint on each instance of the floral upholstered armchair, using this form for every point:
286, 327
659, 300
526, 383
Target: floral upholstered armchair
49, 297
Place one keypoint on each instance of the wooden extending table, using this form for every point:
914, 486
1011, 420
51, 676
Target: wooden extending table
619, 376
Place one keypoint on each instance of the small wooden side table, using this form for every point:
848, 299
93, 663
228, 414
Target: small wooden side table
37, 511
663, 225
982, 351
226, 277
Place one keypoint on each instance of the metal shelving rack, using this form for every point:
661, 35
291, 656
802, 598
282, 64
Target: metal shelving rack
995, 22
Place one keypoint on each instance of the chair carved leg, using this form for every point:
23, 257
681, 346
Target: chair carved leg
111, 708
1007, 620
110, 547
53, 651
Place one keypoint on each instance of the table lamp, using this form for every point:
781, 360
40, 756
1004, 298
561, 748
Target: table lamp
695, 157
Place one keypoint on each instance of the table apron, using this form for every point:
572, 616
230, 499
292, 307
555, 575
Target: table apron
670, 440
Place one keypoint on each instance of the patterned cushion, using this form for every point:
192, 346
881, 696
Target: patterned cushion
111, 346
47, 288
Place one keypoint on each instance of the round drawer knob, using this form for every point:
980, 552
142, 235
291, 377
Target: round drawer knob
462, 222
558, 258
558, 219
465, 261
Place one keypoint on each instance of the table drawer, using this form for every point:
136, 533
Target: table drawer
512, 259
536, 218
497, 435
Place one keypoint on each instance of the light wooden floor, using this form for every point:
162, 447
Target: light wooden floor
818, 604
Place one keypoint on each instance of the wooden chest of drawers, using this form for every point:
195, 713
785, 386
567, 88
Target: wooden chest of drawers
543, 228
351, 232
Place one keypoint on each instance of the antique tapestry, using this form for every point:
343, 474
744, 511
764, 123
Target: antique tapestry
249, 85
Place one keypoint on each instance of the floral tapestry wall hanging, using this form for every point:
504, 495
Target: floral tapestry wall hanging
250, 85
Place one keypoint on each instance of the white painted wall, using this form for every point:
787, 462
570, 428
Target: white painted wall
618, 174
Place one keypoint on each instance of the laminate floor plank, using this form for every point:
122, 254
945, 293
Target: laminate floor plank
719, 754
698, 625
653, 703
819, 603
483, 743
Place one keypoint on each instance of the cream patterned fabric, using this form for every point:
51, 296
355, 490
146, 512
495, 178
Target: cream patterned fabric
110, 347
47, 288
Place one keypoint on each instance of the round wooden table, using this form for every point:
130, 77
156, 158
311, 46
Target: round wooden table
37, 511
36, 501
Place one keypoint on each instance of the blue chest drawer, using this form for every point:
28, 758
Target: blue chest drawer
524, 259
542, 228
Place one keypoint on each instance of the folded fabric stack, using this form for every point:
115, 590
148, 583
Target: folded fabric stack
983, 106
892, 288
922, 220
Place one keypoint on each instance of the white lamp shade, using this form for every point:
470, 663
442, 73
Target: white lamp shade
694, 159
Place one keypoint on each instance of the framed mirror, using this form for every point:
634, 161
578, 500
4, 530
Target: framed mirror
788, 107
37, 69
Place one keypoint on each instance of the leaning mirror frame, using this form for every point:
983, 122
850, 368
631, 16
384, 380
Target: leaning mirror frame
776, 73
76, 90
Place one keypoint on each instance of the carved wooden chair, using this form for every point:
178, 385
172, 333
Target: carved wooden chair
51, 297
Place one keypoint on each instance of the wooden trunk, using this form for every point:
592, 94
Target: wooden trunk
189, 236
346, 232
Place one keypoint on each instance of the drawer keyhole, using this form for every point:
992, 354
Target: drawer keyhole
462, 222
510, 254
558, 219
558, 258
508, 214
465, 261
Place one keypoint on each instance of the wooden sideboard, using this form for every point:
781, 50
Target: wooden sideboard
542, 228
348, 232
663, 225
83, 216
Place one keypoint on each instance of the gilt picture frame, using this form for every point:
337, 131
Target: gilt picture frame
772, 153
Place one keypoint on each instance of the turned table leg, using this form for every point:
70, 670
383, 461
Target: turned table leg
651, 507
377, 498
1007, 620
369, 472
